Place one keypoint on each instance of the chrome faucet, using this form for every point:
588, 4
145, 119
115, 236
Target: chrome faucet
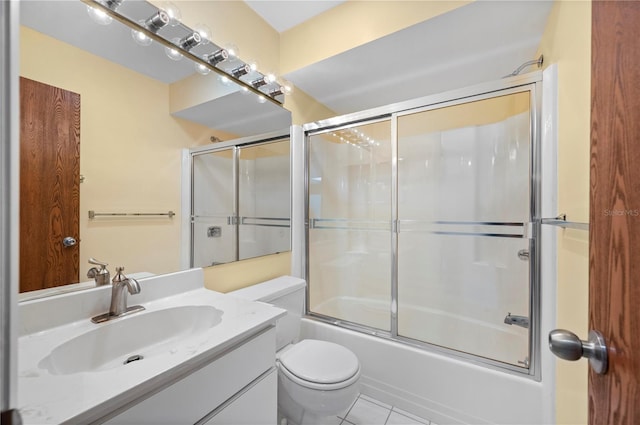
521, 321
119, 297
101, 275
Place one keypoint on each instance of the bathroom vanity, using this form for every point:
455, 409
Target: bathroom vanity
192, 356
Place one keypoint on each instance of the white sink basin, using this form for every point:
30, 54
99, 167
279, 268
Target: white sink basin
144, 334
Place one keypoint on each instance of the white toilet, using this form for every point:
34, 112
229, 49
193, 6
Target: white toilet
316, 379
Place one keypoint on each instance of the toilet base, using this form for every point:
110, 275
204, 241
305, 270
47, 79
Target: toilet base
302, 406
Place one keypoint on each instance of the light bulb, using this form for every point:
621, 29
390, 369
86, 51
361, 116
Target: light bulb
253, 64
172, 52
205, 33
262, 99
98, 16
225, 80
140, 38
233, 51
287, 86
270, 77
173, 12
202, 69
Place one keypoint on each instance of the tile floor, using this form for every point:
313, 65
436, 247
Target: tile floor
368, 411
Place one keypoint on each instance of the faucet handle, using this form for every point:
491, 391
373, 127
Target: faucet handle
119, 277
97, 262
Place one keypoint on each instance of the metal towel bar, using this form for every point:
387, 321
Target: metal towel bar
93, 214
561, 221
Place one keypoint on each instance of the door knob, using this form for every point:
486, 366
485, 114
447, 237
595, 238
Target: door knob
568, 346
69, 241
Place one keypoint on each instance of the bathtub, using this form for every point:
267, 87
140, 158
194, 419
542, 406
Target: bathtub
437, 386
492, 339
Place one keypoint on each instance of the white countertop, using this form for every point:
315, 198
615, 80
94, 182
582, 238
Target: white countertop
45, 398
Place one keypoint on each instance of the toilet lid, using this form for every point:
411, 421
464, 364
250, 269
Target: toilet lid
321, 362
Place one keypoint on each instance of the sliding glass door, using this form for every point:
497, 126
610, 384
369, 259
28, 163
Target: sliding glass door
349, 223
264, 199
463, 209
422, 226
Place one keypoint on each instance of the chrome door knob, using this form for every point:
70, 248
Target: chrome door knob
568, 346
69, 241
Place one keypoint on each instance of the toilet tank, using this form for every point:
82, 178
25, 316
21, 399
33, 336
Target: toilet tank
285, 292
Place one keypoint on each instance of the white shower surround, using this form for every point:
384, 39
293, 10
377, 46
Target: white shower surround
446, 389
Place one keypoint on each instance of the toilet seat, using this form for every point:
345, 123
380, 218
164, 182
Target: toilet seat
320, 365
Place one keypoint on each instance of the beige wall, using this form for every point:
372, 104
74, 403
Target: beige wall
130, 154
567, 42
231, 276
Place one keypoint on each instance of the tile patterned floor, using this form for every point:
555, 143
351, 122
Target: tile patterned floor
368, 411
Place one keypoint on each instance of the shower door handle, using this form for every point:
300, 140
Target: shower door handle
568, 346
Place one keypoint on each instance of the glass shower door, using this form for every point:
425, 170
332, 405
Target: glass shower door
463, 214
349, 196
264, 199
214, 209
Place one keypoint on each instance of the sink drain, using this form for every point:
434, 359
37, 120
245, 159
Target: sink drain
133, 358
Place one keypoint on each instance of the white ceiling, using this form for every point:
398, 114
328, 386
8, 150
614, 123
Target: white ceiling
282, 15
479, 42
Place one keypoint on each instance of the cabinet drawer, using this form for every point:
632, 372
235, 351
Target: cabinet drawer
191, 398
257, 406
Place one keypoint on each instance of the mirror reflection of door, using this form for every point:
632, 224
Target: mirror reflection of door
49, 182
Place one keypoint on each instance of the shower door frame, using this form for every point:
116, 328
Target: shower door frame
531, 83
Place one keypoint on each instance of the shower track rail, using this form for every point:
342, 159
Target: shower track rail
496, 229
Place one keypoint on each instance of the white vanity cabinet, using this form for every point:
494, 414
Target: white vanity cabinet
237, 387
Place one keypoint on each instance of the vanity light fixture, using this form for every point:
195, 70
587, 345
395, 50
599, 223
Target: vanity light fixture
233, 51
98, 16
153, 23
277, 91
173, 12
217, 57
189, 42
146, 31
172, 52
112, 4
262, 81
238, 72
140, 38
204, 32
157, 21
202, 68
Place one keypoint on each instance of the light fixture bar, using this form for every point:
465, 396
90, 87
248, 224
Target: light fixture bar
134, 25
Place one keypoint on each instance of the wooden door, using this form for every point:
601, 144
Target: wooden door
614, 239
49, 185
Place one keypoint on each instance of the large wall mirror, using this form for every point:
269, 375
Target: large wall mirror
132, 112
